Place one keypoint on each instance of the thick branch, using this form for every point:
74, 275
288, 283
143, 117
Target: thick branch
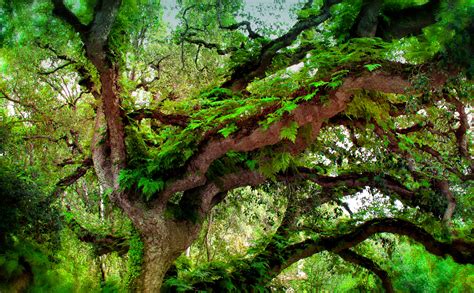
202, 199
309, 114
351, 183
461, 251
105, 13
71, 179
409, 21
443, 187
103, 244
461, 131
168, 119
359, 180
277, 257
368, 19
61, 11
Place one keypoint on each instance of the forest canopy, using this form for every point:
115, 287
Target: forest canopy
236, 145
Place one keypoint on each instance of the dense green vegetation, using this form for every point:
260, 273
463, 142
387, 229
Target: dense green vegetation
236, 146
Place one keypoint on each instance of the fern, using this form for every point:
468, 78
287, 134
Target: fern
318, 83
128, 177
150, 187
229, 129
289, 132
372, 67
251, 164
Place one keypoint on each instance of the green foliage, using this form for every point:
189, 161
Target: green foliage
286, 107
270, 165
24, 259
135, 259
150, 187
372, 67
83, 9
289, 132
229, 129
415, 270
136, 147
356, 51
368, 105
26, 211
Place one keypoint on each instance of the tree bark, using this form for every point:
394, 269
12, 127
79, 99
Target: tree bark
164, 241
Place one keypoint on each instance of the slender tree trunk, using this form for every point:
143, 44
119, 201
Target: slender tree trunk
207, 240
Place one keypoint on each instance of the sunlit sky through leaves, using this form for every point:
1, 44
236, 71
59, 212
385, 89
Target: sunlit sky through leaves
268, 12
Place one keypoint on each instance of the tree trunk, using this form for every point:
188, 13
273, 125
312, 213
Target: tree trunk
164, 241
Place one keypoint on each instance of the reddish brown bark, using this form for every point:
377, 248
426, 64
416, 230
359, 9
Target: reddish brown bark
312, 114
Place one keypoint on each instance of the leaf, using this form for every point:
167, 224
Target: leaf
289, 132
372, 67
194, 124
288, 106
319, 83
128, 177
281, 162
228, 130
252, 164
339, 74
310, 96
150, 186
335, 83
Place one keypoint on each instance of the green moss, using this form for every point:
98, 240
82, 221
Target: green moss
135, 259
368, 105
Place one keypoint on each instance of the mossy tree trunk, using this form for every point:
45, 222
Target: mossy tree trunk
164, 241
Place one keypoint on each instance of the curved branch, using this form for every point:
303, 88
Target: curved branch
368, 19
56, 69
360, 260
6, 96
71, 179
415, 128
461, 131
256, 67
461, 251
372, 20
351, 183
202, 199
309, 114
251, 33
277, 256
359, 180
61, 11
211, 46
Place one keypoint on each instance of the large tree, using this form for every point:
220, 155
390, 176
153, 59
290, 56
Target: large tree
380, 99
